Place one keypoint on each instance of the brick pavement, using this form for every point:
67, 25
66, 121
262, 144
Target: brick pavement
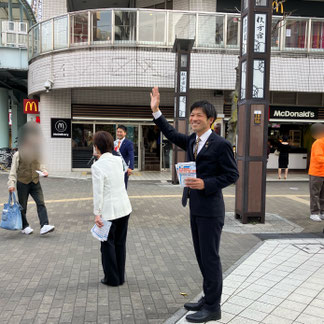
55, 279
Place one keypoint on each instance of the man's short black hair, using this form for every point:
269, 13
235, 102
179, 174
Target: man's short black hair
123, 128
207, 108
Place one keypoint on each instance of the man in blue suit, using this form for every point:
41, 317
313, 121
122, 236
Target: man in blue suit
216, 169
126, 149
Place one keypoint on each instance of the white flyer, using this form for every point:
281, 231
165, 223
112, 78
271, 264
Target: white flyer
185, 170
101, 233
41, 174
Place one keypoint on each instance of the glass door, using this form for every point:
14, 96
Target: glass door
150, 148
82, 137
166, 153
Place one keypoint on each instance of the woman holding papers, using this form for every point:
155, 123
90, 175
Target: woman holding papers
111, 203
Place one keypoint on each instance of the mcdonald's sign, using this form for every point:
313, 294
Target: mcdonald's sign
276, 5
31, 106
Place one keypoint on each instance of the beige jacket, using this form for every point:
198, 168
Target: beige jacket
12, 179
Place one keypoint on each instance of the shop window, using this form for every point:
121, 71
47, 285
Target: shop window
125, 26
102, 26
210, 31
295, 34
60, 32
82, 150
79, 29
232, 31
151, 27
317, 37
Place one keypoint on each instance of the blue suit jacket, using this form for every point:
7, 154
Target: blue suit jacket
215, 164
127, 151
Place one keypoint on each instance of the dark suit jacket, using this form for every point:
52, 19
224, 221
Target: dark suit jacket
127, 151
215, 164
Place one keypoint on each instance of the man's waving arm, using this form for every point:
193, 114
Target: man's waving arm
170, 132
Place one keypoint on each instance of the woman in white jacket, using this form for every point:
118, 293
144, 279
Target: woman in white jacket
111, 203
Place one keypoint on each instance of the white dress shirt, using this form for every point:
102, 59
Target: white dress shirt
110, 199
203, 137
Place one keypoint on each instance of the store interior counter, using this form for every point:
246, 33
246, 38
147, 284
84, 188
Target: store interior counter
297, 159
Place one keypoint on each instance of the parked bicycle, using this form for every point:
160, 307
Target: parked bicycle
6, 155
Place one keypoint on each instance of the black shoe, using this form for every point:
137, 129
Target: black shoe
195, 307
105, 282
203, 316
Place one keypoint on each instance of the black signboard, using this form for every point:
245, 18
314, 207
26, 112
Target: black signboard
61, 127
293, 113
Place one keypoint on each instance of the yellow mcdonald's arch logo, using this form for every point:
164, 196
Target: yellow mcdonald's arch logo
276, 5
30, 107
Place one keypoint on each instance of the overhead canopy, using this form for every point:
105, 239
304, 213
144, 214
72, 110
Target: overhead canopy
27, 13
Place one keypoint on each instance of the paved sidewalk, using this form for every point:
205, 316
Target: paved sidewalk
56, 278
165, 176
282, 282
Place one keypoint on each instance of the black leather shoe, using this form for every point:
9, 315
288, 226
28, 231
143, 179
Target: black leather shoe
195, 307
105, 282
203, 316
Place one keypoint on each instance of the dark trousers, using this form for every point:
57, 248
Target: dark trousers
35, 190
126, 180
113, 252
316, 189
206, 234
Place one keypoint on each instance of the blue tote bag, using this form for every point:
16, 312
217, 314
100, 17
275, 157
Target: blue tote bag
11, 215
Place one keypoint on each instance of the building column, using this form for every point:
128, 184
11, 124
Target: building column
4, 123
57, 151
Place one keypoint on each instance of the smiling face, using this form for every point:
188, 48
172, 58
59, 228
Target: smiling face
199, 121
120, 133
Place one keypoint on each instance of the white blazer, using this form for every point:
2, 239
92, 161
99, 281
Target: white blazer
110, 199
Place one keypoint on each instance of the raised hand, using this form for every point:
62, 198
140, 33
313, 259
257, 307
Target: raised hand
155, 99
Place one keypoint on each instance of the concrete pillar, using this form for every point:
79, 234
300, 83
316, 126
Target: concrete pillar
57, 151
4, 124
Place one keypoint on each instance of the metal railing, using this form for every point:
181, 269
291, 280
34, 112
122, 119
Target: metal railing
158, 28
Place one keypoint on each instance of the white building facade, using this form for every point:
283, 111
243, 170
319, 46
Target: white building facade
97, 67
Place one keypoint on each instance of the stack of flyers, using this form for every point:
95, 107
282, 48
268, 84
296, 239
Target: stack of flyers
185, 170
101, 233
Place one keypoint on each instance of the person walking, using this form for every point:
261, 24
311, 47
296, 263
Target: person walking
316, 174
283, 160
111, 203
126, 149
24, 175
216, 169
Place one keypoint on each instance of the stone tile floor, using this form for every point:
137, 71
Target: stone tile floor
282, 281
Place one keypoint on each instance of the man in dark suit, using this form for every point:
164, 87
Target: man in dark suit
126, 149
216, 169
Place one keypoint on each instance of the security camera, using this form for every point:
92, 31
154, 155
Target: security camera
48, 85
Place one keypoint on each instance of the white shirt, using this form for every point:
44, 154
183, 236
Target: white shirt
203, 137
110, 199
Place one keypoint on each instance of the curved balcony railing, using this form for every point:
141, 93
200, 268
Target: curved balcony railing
158, 28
